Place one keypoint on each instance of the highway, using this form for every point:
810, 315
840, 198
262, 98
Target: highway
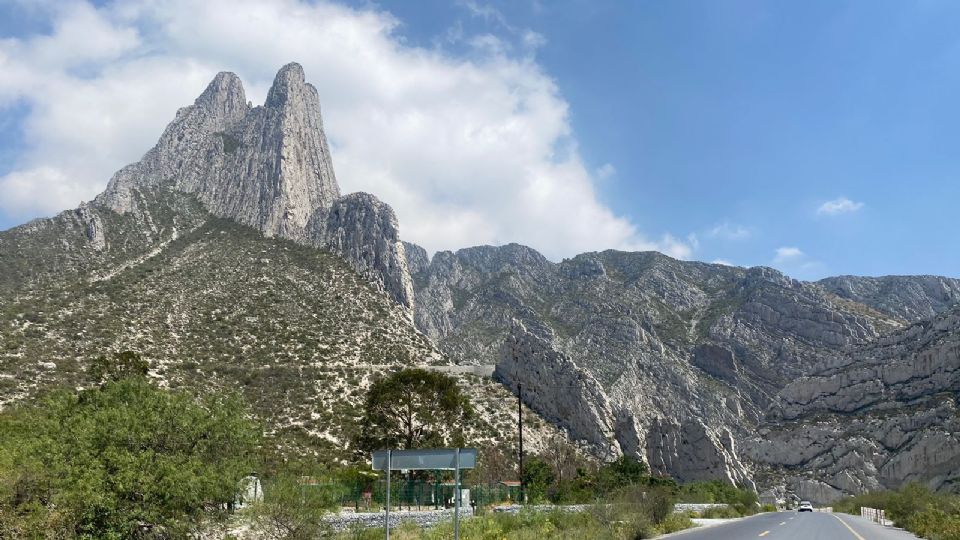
796, 526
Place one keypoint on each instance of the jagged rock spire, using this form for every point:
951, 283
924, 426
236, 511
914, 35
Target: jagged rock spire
269, 167
224, 98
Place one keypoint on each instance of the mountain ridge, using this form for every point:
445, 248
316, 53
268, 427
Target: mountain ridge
683, 351
234, 220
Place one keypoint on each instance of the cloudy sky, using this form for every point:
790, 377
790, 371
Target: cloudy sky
817, 137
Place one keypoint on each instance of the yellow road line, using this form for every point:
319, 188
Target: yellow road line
764, 533
849, 528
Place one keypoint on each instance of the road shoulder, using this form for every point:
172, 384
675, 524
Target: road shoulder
707, 523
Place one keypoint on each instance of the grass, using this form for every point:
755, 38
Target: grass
914, 507
632, 513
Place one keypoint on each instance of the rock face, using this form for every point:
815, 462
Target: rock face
880, 416
557, 389
364, 231
906, 297
690, 357
691, 452
269, 167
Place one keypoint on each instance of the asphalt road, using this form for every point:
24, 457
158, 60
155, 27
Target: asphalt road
796, 526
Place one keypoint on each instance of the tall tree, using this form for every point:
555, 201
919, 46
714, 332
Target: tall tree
414, 408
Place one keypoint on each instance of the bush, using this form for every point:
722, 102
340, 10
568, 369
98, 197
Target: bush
292, 510
674, 523
913, 507
743, 502
721, 512
537, 478
124, 460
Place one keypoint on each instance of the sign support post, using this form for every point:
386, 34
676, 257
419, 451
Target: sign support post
386, 515
456, 498
425, 459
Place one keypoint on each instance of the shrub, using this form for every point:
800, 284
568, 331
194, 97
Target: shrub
674, 523
292, 510
123, 460
914, 507
721, 512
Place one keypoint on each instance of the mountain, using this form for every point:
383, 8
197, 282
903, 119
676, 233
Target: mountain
674, 362
268, 167
227, 257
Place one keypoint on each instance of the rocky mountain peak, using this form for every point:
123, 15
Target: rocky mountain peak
224, 98
290, 87
268, 167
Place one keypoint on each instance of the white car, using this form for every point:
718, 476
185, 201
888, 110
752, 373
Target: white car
805, 506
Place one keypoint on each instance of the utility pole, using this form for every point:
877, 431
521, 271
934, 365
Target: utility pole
520, 430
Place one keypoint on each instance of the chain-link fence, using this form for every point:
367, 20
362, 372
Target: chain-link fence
413, 494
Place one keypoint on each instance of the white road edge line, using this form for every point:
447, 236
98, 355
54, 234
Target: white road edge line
849, 528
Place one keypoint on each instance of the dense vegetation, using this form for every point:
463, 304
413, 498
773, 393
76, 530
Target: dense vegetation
914, 507
740, 501
125, 458
545, 483
122, 460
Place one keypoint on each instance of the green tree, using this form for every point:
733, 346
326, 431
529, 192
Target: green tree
537, 478
125, 460
119, 365
413, 408
622, 472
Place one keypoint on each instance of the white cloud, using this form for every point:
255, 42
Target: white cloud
729, 231
723, 262
468, 150
22, 188
787, 254
605, 171
840, 205
796, 263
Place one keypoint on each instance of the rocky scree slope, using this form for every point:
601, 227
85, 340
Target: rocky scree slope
213, 304
674, 362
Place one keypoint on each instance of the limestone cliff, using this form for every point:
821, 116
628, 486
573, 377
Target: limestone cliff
882, 415
690, 357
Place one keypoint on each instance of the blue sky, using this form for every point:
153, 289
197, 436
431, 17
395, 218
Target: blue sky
818, 137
